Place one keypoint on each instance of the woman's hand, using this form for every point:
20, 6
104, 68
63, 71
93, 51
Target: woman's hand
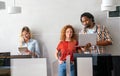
60, 61
28, 52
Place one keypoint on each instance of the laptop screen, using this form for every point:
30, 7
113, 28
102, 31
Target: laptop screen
87, 38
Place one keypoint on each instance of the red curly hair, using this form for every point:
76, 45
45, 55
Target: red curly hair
63, 31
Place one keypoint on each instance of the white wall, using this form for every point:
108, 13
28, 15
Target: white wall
46, 18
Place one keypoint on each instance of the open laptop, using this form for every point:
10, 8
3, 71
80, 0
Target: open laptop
87, 38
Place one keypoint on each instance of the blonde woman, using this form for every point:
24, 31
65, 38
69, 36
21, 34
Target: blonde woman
31, 44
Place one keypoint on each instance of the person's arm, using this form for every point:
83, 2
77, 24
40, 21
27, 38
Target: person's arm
56, 54
37, 50
80, 49
104, 43
34, 50
57, 57
104, 37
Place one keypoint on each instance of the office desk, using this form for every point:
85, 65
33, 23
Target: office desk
22, 65
116, 65
5, 62
29, 67
102, 63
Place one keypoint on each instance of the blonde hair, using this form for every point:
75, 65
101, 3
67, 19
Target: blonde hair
63, 31
25, 28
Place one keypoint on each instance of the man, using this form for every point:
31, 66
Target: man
103, 39
103, 36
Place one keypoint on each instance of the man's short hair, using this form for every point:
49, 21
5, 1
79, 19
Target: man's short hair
88, 15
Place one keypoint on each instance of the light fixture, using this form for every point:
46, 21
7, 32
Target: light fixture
14, 9
108, 5
108, 2
2, 5
108, 8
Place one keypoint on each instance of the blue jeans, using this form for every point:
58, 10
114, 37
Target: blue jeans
62, 69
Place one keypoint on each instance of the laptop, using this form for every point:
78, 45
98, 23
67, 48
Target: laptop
87, 38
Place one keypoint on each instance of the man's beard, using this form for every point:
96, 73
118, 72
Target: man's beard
87, 26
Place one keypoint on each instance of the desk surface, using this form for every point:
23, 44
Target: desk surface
20, 56
15, 56
89, 55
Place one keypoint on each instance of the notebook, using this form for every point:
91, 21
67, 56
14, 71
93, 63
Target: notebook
87, 38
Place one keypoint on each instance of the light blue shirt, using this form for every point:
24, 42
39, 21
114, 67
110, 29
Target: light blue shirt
33, 46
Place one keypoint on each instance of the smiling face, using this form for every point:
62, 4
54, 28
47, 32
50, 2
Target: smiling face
86, 21
26, 35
